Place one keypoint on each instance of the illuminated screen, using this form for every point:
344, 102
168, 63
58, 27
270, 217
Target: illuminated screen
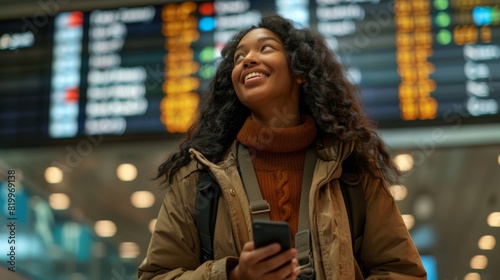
141, 71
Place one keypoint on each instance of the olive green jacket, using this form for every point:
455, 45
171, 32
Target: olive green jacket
387, 250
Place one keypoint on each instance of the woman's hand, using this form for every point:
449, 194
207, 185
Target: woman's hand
265, 263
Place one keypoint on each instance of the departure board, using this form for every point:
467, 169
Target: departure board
142, 70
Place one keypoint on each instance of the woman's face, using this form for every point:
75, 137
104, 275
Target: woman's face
261, 77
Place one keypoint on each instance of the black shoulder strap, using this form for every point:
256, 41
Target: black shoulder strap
207, 201
354, 199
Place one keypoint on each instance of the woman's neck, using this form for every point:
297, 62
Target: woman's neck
277, 119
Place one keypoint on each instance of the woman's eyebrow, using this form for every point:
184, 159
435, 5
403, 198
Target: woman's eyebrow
260, 40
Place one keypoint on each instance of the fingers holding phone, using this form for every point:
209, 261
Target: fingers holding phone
269, 256
266, 233
266, 263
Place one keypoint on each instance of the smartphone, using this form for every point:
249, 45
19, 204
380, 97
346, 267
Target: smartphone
268, 232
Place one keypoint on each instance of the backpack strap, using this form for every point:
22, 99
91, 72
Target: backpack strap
354, 199
207, 201
303, 235
259, 207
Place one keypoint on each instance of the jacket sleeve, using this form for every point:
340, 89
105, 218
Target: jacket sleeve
174, 248
387, 250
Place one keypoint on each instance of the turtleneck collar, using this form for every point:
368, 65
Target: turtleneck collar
277, 139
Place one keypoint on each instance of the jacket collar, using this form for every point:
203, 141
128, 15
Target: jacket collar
331, 149
228, 160
328, 149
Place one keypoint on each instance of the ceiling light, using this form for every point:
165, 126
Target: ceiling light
409, 221
472, 276
105, 228
494, 219
404, 162
53, 175
59, 201
498, 159
399, 192
126, 172
486, 242
423, 207
479, 262
152, 225
142, 199
129, 250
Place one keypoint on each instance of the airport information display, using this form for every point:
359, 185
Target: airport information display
142, 70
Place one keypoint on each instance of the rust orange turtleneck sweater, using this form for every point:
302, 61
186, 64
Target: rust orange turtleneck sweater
278, 156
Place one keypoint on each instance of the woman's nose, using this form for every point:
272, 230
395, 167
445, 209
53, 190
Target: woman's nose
249, 60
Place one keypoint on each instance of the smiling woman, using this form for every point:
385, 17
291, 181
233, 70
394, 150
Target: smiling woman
280, 127
262, 79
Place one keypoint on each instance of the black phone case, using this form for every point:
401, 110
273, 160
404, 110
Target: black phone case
268, 232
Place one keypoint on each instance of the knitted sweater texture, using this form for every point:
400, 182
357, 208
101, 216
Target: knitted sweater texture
278, 156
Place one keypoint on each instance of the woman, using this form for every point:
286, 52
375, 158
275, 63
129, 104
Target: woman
279, 90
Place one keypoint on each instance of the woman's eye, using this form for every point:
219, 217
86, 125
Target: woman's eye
238, 56
264, 47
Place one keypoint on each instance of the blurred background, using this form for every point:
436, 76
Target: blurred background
95, 94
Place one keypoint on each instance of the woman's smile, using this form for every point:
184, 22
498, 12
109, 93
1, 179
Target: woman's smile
254, 76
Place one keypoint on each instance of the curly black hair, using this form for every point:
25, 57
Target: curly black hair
327, 95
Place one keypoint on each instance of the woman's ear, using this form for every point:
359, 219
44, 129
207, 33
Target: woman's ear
300, 80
